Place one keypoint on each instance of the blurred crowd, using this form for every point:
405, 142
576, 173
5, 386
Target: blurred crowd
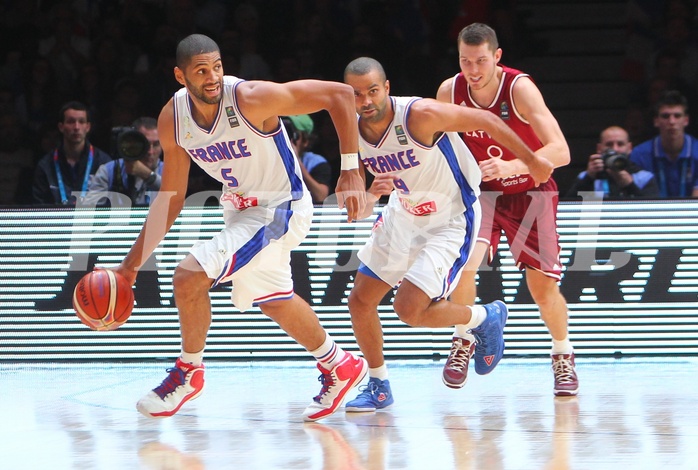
117, 58
661, 54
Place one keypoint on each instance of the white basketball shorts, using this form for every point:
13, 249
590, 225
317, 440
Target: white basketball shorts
427, 251
254, 251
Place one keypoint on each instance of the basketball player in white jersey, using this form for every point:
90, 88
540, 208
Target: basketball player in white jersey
426, 232
231, 129
511, 201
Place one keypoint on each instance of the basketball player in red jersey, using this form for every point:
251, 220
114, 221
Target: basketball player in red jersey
511, 201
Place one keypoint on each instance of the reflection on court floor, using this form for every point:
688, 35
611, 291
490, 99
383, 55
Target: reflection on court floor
630, 414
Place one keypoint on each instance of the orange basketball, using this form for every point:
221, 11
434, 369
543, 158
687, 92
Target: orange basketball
103, 300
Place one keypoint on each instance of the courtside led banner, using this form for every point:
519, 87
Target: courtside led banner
630, 279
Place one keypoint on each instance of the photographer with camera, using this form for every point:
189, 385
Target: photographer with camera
610, 172
136, 173
63, 175
673, 155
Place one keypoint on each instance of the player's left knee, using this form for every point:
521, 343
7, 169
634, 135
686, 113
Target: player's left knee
186, 279
408, 312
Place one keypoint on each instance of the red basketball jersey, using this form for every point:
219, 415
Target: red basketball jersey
482, 145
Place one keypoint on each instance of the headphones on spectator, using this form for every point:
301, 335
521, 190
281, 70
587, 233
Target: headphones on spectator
290, 129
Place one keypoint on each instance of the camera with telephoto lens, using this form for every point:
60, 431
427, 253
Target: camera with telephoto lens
128, 143
614, 160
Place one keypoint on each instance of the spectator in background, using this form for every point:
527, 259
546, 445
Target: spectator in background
16, 161
317, 173
679, 39
610, 172
253, 65
62, 176
672, 155
126, 105
137, 180
326, 144
39, 96
65, 48
637, 123
154, 72
667, 76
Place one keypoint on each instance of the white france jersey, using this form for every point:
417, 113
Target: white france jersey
256, 169
441, 179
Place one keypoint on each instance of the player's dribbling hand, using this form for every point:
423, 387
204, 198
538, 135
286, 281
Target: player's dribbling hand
128, 274
351, 193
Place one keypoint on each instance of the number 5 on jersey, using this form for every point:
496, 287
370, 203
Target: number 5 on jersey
227, 175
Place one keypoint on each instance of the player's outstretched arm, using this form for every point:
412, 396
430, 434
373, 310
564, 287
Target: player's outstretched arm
429, 117
168, 203
262, 102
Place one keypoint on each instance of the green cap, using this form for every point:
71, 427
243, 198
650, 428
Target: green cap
303, 123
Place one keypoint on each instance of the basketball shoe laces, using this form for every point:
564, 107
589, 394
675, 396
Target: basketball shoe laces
482, 340
368, 390
563, 370
175, 379
327, 381
459, 356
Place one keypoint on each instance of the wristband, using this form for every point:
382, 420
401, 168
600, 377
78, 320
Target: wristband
349, 161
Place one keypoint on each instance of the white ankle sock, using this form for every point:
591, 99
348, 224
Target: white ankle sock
195, 359
380, 373
478, 315
329, 354
563, 346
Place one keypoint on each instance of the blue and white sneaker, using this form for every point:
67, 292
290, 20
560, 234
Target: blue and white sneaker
375, 395
489, 348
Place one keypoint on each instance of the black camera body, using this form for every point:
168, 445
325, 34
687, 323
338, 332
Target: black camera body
615, 160
128, 143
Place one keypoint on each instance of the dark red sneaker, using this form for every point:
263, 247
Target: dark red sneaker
455, 372
566, 382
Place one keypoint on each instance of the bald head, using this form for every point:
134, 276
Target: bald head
616, 138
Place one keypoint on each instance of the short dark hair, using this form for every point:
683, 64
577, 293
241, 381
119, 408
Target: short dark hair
192, 45
77, 106
145, 122
671, 98
476, 34
364, 65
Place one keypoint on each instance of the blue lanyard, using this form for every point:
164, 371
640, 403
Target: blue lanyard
660, 169
606, 188
59, 175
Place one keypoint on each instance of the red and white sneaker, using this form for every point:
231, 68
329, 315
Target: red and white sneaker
335, 385
566, 382
455, 372
185, 382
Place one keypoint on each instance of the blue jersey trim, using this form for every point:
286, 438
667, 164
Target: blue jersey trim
468, 197
289, 161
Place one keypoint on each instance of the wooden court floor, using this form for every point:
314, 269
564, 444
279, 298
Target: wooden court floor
630, 414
